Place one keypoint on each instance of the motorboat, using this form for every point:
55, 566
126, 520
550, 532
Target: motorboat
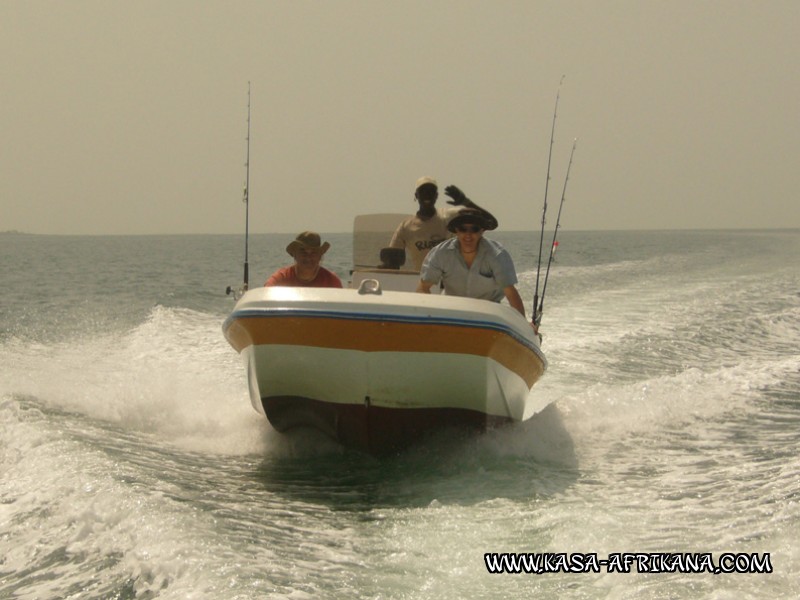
377, 366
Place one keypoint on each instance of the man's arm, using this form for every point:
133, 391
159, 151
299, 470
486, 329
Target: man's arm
424, 287
398, 237
514, 299
459, 198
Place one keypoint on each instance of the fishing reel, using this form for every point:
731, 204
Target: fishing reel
237, 292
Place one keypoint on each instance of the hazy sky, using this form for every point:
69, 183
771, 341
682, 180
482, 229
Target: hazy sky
122, 117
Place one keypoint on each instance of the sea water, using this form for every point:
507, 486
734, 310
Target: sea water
132, 464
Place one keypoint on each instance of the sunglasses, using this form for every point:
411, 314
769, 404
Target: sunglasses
469, 229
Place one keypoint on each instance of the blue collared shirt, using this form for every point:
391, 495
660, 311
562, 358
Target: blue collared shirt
491, 272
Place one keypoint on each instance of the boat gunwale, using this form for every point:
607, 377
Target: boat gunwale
286, 311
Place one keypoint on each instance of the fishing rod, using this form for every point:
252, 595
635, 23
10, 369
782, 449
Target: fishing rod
539, 311
534, 316
246, 199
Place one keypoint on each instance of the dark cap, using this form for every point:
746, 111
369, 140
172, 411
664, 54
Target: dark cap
468, 216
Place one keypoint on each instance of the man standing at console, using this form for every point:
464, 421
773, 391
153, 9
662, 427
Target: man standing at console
428, 227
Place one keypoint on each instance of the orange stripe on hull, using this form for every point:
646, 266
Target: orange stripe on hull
383, 336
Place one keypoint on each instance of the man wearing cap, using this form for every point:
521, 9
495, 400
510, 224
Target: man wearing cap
471, 265
307, 250
428, 227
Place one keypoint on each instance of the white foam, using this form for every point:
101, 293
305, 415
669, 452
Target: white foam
173, 376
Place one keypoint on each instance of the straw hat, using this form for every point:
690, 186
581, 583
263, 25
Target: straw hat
307, 239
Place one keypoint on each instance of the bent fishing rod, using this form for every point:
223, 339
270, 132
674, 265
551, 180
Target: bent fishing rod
246, 199
534, 317
538, 311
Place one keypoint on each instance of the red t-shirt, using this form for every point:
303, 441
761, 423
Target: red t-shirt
288, 276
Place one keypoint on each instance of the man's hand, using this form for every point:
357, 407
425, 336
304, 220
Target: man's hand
424, 287
458, 197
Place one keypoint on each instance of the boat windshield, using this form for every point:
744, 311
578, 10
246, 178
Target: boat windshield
371, 237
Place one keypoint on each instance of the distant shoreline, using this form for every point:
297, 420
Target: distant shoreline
15, 232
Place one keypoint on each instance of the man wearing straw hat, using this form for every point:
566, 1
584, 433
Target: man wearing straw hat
307, 250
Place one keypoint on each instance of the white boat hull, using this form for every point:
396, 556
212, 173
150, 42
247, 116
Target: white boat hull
378, 370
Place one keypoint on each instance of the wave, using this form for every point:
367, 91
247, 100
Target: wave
173, 376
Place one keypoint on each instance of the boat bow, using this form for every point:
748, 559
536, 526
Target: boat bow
376, 368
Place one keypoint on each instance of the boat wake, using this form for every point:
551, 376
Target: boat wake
170, 377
